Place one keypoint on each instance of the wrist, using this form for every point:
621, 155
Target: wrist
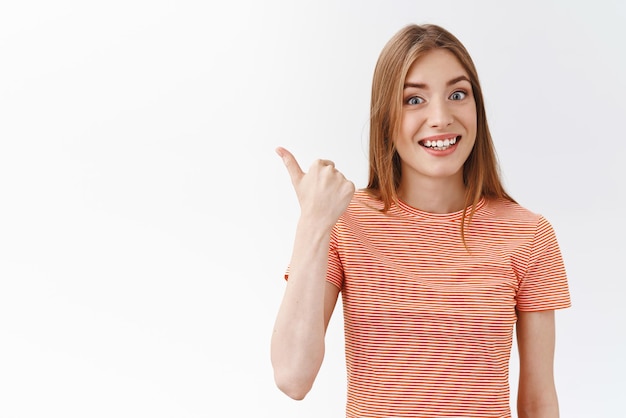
315, 226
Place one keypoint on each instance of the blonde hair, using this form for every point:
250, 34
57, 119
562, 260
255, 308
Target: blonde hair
480, 171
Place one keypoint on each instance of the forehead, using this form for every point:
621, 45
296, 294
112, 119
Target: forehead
434, 66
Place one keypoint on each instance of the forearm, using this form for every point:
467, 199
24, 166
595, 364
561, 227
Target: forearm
297, 346
537, 396
547, 407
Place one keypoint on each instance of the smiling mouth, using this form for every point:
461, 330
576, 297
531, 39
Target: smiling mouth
440, 144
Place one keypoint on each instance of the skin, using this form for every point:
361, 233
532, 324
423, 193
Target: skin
297, 346
536, 395
437, 101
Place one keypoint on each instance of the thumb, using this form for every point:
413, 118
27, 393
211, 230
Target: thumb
295, 172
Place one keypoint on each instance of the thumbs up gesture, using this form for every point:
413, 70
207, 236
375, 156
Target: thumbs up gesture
323, 192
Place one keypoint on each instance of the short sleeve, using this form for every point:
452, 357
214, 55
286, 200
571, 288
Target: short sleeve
543, 284
334, 273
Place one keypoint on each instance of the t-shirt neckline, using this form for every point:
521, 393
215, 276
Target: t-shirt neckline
419, 213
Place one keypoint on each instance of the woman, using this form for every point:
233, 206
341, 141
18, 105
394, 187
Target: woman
435, 261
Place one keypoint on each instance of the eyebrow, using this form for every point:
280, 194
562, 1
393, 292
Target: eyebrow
449, 83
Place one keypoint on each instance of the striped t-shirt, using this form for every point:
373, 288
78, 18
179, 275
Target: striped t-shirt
429, 325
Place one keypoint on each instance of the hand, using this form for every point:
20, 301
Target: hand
323, 192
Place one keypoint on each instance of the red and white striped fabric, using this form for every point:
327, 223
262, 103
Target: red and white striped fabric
429, 325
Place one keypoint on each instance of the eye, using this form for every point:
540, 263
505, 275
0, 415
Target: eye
414, 100
458, 95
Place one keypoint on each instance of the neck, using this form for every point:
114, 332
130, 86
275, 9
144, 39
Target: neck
434, 195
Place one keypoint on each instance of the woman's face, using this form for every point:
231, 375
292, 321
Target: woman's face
438, 127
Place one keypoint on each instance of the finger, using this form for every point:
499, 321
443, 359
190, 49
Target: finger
327, 162
295, 172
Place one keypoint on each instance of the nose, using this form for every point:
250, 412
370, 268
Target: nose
439, 114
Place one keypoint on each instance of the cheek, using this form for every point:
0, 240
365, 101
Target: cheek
473, 116
404, 123
470, 120
409, 125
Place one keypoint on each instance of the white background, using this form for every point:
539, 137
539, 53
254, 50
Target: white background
146, 222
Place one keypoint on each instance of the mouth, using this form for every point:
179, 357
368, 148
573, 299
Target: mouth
440, 143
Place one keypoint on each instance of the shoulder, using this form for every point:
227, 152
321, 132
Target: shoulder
364, 196
363, 204
511, 212
510, 220
364, 209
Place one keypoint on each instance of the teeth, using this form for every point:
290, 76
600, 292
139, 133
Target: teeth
440, 144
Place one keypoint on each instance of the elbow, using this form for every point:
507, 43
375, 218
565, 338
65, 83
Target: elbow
543, 404
295, 371
294, 392
294, 386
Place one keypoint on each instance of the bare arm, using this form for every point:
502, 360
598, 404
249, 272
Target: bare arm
537, 396
297, 346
